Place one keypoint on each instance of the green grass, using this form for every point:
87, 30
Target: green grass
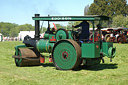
109, 73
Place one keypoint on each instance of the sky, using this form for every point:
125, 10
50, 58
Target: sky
21, 11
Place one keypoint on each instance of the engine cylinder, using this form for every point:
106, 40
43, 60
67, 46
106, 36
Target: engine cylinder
44, 46
46, 36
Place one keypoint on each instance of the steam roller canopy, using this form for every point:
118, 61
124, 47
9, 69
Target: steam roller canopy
61, 34
27, 57
66, 54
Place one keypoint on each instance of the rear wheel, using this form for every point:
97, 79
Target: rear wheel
107, 38
66, 55
120, 40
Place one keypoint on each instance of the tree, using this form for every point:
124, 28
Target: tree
94, 9
13, 32
6, 27
86, 10
126, 22
60, 26
25, 27
109, 8
70, 23
120, 21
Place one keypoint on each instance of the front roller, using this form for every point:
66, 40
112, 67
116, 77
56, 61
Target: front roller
27, 57
66, 54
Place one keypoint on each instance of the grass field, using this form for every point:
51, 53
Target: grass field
109, 73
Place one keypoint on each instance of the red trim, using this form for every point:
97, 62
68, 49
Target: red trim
63, 54
42, 60
53, 39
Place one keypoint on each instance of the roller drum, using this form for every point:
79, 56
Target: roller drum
27, 57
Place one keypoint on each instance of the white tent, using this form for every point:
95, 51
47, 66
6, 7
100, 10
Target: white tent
1, 37
22, 34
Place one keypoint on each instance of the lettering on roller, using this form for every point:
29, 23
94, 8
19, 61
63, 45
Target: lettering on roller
61, 18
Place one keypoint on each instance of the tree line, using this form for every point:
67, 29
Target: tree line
12, 29
117, 10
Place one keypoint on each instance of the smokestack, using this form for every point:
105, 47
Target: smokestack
37, 27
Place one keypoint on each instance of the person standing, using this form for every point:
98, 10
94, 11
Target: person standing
85, 31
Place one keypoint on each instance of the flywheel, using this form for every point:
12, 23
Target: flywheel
61, 34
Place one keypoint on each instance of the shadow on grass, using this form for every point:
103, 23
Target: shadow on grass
47, 65
97, 67
44, 65
92, 68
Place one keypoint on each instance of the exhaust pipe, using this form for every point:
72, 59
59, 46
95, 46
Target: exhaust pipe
37, 27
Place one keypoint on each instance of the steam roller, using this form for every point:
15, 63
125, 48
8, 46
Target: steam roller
64, 47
